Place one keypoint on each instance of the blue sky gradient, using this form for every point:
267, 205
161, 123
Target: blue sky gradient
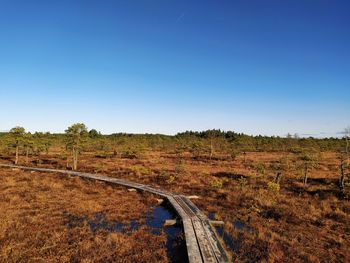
258, 67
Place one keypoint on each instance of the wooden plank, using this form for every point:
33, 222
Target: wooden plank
157, 191
207, 251
193, 207
178, 208
204, 244
183, 205
218, 249
170, 222
193, 252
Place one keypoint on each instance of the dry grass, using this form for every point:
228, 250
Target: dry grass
37, 221
294, 224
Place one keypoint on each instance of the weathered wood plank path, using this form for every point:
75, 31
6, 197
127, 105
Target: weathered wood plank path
203, 245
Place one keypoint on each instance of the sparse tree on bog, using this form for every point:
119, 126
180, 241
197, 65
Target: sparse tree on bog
347, 138
211, 135
344, 159
76, 135
343, 169
42, 142
233, 152
94, 134
309, 162
17, 134
28, 144
196, 149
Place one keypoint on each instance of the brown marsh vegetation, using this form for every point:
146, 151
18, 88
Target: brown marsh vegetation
277, 204
53, 218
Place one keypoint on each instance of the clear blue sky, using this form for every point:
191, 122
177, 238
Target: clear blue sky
258, 67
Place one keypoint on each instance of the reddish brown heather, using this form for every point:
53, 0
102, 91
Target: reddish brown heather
44, 218
296, 223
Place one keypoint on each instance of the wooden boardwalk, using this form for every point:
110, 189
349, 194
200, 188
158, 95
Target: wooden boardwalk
203, 245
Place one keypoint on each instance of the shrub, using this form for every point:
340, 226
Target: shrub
167, 177
243, 182
283, 164
260, 168
179, 168
170, 179
295, 150
234, 154
346, 190
141, 170
273, 187
216, 183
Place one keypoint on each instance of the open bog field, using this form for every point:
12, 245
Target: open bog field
53, 218
48, 216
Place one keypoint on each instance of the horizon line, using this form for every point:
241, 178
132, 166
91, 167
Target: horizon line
320, 135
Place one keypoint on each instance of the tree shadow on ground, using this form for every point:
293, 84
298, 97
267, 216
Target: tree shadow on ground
45, 161
322, 181
321, 193
6, 158
234, 176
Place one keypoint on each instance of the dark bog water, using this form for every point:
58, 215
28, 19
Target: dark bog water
230, 242
101, 223
175, 245
233, 244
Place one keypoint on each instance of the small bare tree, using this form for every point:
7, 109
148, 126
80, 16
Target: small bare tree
344, 159
342, 171
76, 134
309, 162
28, 144
347, 138
17, 134
281, 167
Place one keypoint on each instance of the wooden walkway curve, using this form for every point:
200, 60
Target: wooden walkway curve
203, 245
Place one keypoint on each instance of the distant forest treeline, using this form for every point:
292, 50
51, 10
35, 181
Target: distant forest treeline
213, 141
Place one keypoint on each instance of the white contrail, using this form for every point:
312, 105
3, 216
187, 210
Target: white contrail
180, 17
